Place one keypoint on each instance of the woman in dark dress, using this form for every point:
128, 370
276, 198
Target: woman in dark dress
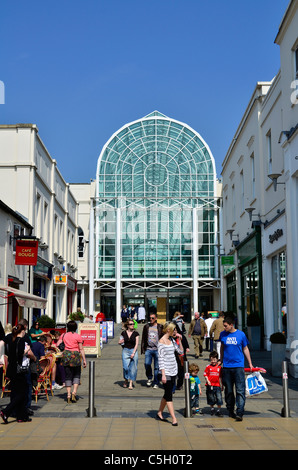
15, 349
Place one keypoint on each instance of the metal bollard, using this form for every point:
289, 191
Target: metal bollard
91, 412
186, 389
285, 412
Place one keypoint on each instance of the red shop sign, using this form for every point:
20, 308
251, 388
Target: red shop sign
26, 252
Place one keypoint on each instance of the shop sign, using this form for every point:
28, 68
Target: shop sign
60, 279
90, 333
227, 260
276, 235
26, 252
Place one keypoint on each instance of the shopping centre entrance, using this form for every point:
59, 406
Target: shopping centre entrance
163, 302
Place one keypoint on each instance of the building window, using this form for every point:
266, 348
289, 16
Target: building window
81, 243
269, 152
242, 190
253, 176
296, 62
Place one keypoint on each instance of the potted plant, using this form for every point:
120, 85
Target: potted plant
45, 322
254, 331
278, 352
77, 316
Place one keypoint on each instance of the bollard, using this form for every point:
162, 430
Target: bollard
91, 412
285, 412
186, 388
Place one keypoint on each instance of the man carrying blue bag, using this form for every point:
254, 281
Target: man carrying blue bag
234, 348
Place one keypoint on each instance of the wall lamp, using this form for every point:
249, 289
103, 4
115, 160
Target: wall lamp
274, 177
250, 210
230, 232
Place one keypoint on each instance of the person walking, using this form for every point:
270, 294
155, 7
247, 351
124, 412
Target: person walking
141, 314
18, 352
129, 340
234, 349
169, 369
197, 329
71, 360
215, 330
124, 314
152, 332
209, 338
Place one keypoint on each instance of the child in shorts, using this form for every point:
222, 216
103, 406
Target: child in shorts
194, 387
214, 387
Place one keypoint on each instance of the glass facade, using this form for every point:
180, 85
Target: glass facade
152, 176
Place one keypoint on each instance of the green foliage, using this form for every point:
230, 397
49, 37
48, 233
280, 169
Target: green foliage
46, 322
77, 316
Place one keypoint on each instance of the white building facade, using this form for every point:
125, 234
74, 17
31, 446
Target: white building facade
32, 185
260, 202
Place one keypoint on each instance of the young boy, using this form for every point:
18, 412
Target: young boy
195, 388
214, 384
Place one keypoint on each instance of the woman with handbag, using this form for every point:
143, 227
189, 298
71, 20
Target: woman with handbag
73, 351
18, 353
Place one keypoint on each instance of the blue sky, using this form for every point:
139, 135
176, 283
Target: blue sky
81, 70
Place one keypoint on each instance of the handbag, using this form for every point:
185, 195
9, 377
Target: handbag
24, 367
71, 358
62, 345
255, 384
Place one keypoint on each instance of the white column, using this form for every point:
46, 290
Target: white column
195, 260
118, 265
91, 260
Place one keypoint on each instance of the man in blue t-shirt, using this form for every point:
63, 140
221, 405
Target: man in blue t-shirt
234, 347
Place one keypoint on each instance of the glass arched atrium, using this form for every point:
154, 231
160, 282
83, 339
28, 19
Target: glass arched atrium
155, 210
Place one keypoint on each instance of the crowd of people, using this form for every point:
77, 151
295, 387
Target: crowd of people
25, 351
165, 347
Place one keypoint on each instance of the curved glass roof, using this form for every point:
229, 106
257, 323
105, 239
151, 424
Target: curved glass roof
155, 160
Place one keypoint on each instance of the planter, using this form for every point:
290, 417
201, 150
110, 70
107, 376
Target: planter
278, 353
254, 337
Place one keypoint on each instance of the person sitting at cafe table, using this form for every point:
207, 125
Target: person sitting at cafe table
35, 332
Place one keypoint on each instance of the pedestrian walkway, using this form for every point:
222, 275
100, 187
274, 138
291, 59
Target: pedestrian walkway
125, 419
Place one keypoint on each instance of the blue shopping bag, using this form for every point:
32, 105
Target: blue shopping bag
255, 384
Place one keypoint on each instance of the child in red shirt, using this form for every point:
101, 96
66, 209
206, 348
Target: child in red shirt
214, 384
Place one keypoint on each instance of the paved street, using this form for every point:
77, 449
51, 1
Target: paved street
125, 421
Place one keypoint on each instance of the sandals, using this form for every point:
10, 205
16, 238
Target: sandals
73, 398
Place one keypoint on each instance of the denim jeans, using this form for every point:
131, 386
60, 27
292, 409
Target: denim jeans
130, 366
152, 355
230, 377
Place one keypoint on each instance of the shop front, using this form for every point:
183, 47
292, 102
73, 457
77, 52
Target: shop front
249, 254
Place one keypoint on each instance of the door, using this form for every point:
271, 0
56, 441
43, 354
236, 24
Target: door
161, 307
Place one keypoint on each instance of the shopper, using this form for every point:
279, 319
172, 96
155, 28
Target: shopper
124, 314
197, 329
72, 355
215, 330
141, 314
168, 368
234, 348
152, 332
195, 389
129, 340
19, 353
212, 374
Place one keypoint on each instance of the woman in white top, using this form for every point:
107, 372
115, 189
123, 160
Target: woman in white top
167, 347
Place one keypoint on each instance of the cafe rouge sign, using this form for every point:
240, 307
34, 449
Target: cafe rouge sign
26, 252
